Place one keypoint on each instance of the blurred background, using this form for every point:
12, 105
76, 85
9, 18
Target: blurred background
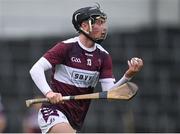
149, 29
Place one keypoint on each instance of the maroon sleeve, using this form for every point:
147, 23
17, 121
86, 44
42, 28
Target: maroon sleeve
106, 67
56, 54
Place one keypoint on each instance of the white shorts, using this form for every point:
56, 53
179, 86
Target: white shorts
48, 118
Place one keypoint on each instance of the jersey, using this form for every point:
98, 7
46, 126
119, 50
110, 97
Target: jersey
76, 70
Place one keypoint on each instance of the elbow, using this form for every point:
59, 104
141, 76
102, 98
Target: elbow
32, 71
36, 70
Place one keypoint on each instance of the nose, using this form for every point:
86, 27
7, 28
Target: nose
104, 29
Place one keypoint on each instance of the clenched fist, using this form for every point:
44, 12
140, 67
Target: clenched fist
135, 65
54, 98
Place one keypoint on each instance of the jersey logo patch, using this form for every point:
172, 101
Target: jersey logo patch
74, 59
46, 112
82, 78
89, 62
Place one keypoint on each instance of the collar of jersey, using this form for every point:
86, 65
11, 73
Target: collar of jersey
85, 48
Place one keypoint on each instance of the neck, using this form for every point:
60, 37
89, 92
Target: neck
86, 41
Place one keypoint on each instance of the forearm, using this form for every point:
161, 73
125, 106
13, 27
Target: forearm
123, 80
109, 84
37, 73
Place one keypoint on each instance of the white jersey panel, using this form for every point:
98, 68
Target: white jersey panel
77, 77
101, 48
75, 39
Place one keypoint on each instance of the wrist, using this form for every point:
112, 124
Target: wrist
48, 92
129, 74
126, 77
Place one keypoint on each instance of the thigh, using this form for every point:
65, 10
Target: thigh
53, 120
62, 128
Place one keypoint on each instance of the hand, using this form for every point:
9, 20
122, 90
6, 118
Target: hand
135, 65
54, 98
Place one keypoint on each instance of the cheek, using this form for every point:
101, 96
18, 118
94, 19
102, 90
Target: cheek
97, 30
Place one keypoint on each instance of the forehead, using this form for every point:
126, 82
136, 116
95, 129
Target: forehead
100, 20
101, 17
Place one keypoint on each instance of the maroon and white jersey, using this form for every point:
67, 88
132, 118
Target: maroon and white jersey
76, 70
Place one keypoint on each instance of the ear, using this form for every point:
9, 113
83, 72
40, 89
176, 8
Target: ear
85, 26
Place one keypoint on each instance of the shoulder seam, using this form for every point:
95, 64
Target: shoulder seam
102, 49
71, 40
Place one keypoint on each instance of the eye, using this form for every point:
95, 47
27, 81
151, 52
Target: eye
100, 21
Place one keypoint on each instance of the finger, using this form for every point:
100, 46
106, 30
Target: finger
136, 58
54, 99
62, 102
140, 62
134, 62
51, 99
134, 65
129, 63
58, 98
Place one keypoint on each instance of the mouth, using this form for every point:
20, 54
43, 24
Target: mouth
103, 35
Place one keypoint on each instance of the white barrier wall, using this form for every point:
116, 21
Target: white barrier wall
21, 18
